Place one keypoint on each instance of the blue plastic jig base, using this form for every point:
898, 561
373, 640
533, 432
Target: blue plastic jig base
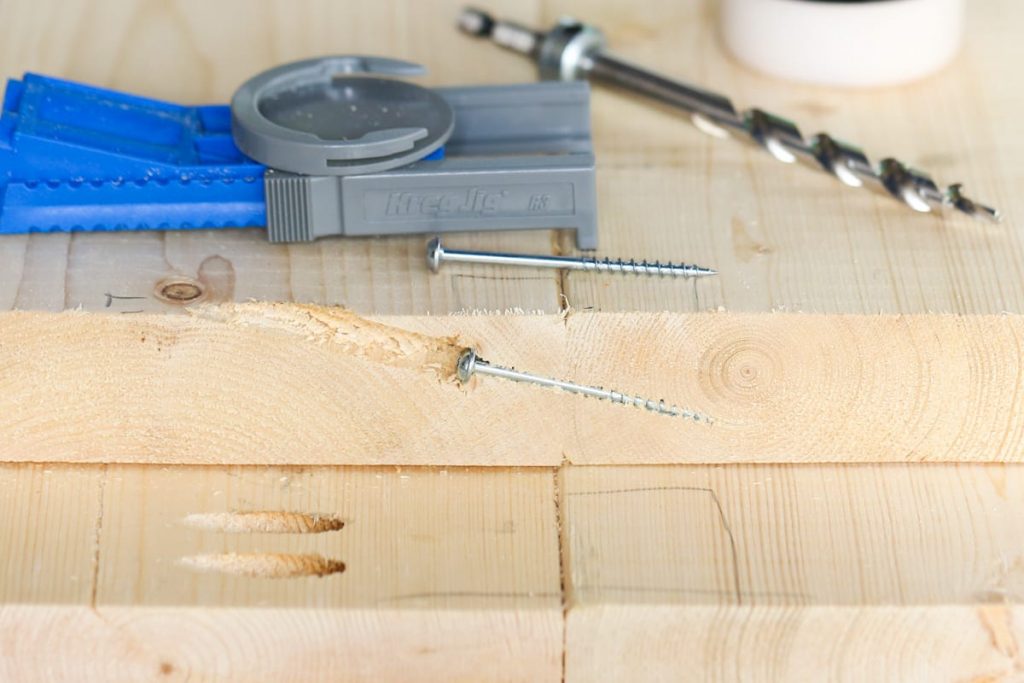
74, 157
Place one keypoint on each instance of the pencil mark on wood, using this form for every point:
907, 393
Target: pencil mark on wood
112, 297
701, 489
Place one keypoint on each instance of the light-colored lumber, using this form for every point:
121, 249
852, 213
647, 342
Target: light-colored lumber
200, 52
794, 573
139, 574
800, 388
782, 238
264, 384
774, 573
259, 384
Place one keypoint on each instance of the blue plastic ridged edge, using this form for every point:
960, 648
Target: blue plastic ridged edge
74, 157
135, 205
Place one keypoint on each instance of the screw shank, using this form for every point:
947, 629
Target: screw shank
496, 259
485, 368
436, 255
470, 364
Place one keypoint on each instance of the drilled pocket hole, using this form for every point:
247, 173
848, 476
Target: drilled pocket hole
264, 565
265, 521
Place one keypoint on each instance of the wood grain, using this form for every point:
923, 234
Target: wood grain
788, 238
774, 573
753, 572
258, 383
794, 573
449, 574
783, 238
793, 387
266, 388
200, 52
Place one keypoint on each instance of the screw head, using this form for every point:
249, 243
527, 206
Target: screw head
435, 254
466, 365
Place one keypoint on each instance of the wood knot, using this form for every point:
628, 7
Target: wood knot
747, 369
180, 290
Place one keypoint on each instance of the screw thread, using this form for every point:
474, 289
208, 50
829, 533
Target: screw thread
469, 364
644, 267
659, 407
437, 254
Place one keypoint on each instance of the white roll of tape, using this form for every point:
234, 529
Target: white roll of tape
844, 42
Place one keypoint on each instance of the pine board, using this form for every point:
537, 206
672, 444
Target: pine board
783, 238
89, 579
749, 572
448, 574
794, 573
260, 384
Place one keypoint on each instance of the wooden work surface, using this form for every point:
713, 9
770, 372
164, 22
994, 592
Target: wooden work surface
290, 570
755, 573
783, 238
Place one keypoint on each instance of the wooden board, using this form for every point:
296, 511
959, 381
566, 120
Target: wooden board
776, 573
795, 572
799, 388
783, 238
200, 52
299, 386
786, 238
132, 573
254, 384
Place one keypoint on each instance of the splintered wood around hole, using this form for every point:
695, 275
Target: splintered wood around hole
354, 334
247, 383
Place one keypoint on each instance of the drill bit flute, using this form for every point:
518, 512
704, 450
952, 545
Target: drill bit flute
572, 50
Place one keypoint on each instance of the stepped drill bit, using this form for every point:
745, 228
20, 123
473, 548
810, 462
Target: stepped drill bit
437, 254
573, 50
470, 364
